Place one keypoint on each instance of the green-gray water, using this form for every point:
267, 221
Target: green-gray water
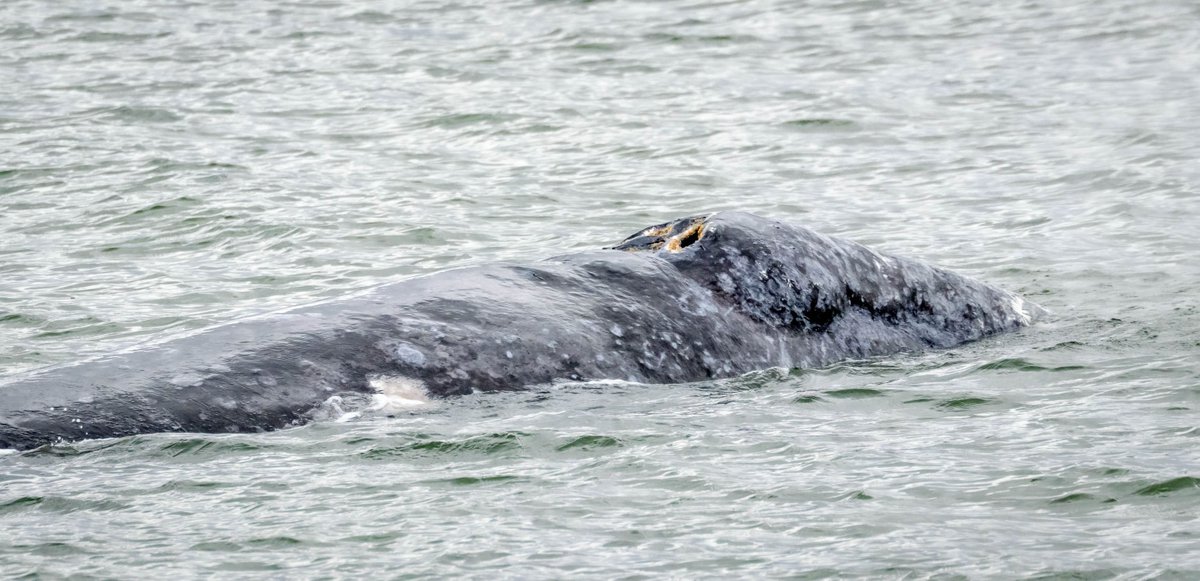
167, 166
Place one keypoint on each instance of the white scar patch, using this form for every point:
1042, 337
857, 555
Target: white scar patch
399, 392
393, 393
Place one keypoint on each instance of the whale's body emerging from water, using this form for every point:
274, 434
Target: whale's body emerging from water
697, 298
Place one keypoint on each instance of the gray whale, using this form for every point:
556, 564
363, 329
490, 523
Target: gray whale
700, 297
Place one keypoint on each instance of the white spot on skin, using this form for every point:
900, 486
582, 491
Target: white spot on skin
409, 355
725, 283
186, 380
616, 330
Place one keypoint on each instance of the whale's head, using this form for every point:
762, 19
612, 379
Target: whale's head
773, 272
798, 280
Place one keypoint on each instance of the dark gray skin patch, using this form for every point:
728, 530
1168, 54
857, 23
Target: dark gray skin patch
701, 297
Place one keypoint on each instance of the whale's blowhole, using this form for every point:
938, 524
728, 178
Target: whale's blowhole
686, 238
671, 236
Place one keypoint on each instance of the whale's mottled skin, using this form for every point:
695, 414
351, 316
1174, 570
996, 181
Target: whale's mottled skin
701, 297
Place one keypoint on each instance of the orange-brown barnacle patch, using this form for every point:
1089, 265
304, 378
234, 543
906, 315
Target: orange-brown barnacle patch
687, 237
660, 230
639, 243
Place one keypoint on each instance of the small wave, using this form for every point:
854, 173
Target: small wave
58, 504
95, 36
855, 393
457, 120
421, 445
1018, 364
1183, 483
206, 447
474, 480
591, 442
963, 403
820, 124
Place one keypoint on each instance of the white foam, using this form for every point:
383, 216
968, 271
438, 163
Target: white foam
1018, 306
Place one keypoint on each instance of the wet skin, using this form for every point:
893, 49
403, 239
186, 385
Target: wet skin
697, 298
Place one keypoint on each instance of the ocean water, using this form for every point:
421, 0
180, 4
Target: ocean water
169, 166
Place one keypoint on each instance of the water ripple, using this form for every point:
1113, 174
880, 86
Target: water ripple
171, 167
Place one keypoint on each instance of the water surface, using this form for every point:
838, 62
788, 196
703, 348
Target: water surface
168, 166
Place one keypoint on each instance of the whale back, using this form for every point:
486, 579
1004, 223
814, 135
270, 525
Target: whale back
797, 280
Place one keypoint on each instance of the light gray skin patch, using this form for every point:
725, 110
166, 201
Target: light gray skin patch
227, 403
409, 355
186, 379
700, 298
